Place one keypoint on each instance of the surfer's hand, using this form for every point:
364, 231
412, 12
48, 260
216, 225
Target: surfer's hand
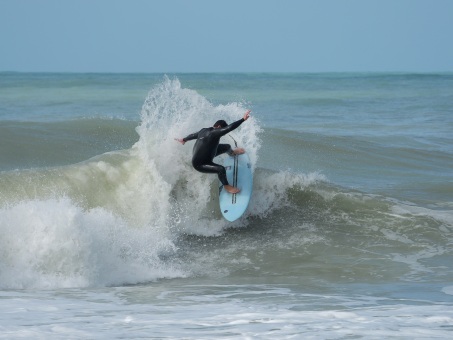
247, 114
182, 141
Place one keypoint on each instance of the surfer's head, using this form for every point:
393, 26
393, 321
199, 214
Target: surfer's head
220, 124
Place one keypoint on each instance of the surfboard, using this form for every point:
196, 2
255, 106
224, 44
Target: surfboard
239, 174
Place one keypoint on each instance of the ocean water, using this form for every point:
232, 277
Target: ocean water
106, 231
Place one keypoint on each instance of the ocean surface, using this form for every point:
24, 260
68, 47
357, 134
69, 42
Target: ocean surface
107, 232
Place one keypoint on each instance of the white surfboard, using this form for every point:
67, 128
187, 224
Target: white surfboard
239, 174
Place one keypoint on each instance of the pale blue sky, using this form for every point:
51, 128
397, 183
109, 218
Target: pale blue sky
226, 36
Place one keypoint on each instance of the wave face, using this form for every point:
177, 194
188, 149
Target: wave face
142, 213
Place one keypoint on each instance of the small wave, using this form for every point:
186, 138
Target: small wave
47, 144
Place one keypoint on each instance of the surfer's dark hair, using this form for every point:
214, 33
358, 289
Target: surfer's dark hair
220, 123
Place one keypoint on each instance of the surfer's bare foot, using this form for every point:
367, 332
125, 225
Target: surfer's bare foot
231, 189
238, 151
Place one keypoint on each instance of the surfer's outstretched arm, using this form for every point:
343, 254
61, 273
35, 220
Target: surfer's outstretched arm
189, 137
223, 131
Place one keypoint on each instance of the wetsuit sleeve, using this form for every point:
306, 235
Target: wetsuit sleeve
229, 128
190, 137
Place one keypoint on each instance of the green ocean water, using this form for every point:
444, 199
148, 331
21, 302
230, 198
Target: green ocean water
349, 229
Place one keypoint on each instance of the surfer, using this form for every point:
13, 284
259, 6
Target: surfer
207, 147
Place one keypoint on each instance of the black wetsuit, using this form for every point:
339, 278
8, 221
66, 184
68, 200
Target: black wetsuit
207, 147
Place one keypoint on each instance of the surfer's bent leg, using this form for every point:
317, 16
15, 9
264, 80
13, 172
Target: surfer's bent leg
212, 168
222, 148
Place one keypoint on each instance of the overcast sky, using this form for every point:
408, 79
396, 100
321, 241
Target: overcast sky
226, 36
